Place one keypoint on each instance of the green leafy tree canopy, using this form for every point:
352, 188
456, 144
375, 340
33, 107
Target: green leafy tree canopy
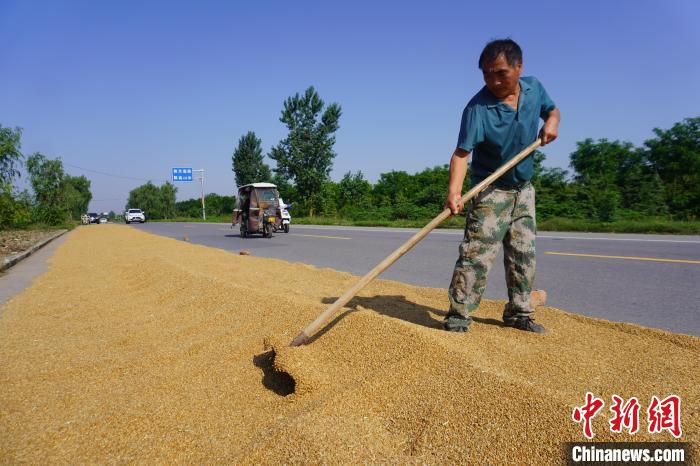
10, 155
248, 165
48, 182
354, 190
77, 195
306, 155
156, 202
675, 155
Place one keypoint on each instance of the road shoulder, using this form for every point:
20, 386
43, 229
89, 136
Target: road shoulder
34, 262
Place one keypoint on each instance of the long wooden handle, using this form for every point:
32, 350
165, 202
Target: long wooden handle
404, 248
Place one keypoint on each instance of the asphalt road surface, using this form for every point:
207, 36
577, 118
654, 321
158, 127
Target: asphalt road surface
651, 280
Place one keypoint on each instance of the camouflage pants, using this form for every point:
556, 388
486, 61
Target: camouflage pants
496, 216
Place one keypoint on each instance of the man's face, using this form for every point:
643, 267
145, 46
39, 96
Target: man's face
501, 78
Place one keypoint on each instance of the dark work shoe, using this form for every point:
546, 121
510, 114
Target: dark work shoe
456, 324
525, 323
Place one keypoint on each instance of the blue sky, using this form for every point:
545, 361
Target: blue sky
134, 88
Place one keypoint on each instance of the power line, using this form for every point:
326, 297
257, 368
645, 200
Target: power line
112, 174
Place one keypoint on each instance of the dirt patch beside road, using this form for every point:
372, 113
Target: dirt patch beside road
15, 241
160, 352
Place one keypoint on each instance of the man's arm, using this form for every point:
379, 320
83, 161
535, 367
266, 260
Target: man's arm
458, 170
550, 130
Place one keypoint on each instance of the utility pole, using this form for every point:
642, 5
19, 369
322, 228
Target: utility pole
201, 180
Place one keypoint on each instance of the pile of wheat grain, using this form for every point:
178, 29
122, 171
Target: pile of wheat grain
162, 351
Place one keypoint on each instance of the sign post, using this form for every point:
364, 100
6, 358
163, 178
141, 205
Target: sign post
201, 179
185, 174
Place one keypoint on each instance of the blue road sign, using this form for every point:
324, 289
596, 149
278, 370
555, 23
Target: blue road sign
182, 174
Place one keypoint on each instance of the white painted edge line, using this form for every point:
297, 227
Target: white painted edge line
460, 232
622, 239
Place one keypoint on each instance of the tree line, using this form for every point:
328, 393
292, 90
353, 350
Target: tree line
608, 181
216, 205
614, 180
304, 162
159, 202
304, 158
56, 197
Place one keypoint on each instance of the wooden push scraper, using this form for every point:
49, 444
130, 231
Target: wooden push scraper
538, 297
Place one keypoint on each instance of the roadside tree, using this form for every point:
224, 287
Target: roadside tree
305, 156
10, 156
48, 182
248, 165
675, 155
287, 190
354, 191
77, 195
602, 168
12, 211
167, 194
157, 202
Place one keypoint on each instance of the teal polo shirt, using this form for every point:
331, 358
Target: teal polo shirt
494, 132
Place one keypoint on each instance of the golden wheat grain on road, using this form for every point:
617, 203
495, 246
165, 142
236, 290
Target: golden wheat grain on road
165, 351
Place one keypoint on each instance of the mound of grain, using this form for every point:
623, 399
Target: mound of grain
162, 351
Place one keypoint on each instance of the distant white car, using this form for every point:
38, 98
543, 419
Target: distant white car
103, 220
134, 215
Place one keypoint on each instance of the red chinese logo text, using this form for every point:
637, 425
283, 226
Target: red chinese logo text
625, 416
661, 415
587, 412
665, 415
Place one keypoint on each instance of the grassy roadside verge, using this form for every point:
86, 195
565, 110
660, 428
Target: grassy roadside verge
555, 224
44, 227
622, 226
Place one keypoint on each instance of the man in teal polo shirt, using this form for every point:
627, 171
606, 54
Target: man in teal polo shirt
499, 122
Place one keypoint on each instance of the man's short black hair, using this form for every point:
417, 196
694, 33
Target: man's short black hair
506, 47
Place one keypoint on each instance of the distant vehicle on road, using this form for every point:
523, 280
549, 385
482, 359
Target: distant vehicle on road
103, 220
94, 218
258, 210
284, 215
135, 215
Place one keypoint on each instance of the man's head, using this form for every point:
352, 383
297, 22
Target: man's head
501, 62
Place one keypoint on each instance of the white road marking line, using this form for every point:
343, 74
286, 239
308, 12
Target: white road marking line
601, 256
319, 236
455, 232
621, 239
